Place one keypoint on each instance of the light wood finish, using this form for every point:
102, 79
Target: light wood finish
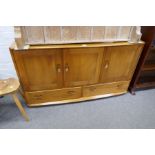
20, 107
53, 95
107, 88
119, 63
11, 86
76, 100
47, 73
80, 45
81, 64
8, 86
39, 69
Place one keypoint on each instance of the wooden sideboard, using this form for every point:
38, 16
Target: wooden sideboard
57, 74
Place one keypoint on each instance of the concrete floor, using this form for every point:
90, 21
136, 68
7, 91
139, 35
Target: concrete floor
125, 111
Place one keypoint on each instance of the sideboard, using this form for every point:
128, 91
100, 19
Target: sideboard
56, 74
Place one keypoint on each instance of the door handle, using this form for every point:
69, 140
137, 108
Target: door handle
106, 65
66, 68
58, 68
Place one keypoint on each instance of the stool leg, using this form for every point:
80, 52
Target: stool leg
20, 107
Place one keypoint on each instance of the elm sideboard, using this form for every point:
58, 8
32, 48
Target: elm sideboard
56, 74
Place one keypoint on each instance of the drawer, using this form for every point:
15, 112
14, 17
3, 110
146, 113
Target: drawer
53, 95
107, 88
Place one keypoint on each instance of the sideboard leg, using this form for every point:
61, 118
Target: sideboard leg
132, 91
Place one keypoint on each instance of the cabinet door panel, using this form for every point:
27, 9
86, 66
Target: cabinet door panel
39, 69
82, 66
119, 63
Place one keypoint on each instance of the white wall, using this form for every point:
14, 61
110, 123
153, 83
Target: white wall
6, 65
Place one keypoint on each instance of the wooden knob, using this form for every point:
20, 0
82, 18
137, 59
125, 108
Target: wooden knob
106, 65
66, 68
71, 92
58, 68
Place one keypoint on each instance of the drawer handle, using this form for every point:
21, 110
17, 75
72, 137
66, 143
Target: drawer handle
71, 92
58, 68
66, 68
119, 86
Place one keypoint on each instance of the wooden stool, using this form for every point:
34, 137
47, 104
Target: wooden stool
11, 86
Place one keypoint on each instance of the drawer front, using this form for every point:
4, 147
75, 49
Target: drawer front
107, 88
53, 95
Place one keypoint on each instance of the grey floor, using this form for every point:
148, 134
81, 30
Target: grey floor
125, 111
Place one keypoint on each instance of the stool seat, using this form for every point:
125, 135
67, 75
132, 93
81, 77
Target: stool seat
8, 86
11, 86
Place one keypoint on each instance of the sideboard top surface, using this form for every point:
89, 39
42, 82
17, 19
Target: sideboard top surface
75, 45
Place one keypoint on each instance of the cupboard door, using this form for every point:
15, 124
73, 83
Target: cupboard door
119, 63
39, 69
82, 66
